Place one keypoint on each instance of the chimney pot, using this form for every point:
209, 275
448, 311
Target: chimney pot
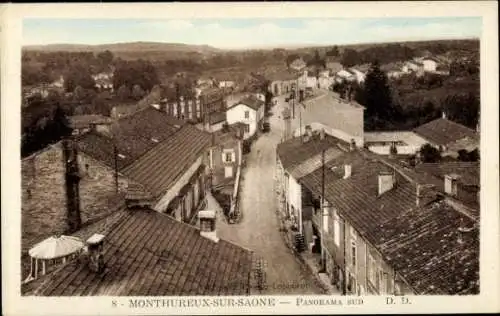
322, 134
95, 251
386, 181
443, 114
347, 171
450, 184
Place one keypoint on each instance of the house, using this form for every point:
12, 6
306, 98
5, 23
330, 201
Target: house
84, 123
298, 64
193, 106
204, 81
340, 118
296, 158
359, 75
59, 83
430, 64
448, 136
386, 230
104, 84
226, 155
215, 122
225, 83
250, 111
413, 66
282, 82
344, 75
334, 67
393, 70
140, 252
405, 142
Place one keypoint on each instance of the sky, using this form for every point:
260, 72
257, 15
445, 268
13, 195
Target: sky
248, 33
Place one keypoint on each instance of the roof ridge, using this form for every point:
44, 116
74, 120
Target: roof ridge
198, 229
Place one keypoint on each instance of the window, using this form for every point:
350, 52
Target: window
336, 229
354, 253
247, 114
382, 281
247, 128
228, 156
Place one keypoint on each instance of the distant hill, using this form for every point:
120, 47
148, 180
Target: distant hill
125, 47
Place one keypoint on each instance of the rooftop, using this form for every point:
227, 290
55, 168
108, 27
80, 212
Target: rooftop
426, 246
151, 254
357, 197
132, 135
160, 167
84, 121
443, 131
282, 75
250, 101
216, 117
295, 151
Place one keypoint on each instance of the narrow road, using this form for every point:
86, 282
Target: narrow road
259, 229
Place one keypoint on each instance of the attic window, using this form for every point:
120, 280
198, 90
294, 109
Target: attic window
121, 156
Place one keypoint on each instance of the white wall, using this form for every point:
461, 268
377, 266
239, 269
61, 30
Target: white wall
162, 205
294, 196
429, 65
237, 114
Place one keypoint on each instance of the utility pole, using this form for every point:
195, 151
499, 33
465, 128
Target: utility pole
115, 152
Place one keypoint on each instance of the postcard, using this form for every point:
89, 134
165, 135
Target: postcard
250, 158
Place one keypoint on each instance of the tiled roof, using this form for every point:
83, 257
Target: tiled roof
323, 102
160, 167
151, 254
469, 172
133, 136
442, 131
295, 151
315, 162
216, 117
250, 101
427, 248
83, 121
356, 197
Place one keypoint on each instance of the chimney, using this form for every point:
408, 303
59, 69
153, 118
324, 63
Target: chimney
72, 183
386, 181
425, 191
443, 114
322, 134
207, 224
352, 145
450, 184
308, 133
347, 171
95, 253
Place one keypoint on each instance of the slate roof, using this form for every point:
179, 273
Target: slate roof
133, 136
151, 254
84, 121
295, 151
427, 248
443, 131
160, 167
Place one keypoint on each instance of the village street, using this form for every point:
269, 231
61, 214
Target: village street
259, 229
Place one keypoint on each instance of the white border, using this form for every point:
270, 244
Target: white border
11, 20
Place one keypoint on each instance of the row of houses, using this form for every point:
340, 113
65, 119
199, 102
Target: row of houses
376, 227
126, 181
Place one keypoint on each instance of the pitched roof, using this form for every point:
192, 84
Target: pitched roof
133, 136
282, 75
151, 254
295, 151
322, 104
83, 121
216, 117
427, 248
250, 101
443, 131
160, 167
356, 197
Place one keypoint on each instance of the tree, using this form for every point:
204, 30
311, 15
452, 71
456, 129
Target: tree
350, 57
137, 92
123, 93
377, 94
78, 76
105, 57
140, 72
334, 52
429, 154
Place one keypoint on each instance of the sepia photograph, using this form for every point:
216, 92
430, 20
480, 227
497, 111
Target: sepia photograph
250, 157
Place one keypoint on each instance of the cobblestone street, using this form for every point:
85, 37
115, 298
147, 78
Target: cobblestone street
259, 228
